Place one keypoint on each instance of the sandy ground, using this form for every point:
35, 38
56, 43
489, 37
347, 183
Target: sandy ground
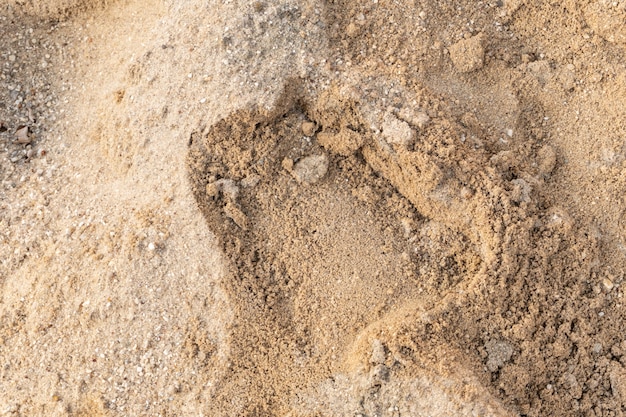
300, 208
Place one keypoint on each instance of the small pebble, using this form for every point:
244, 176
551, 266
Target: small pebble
311, 169
21, 136
421, 119
418, 119
396, 131
499, 353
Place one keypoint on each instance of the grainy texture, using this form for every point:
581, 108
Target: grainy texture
52, 9
312, 208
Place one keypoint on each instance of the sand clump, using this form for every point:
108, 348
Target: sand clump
468, 54
312, 208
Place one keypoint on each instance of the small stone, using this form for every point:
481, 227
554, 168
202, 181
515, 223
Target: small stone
499, 353
21, 135
396, 131
418, 119
468, 54
607, 283
308, 128
421, 120
570, 382
311, 169
11, 58
151, 246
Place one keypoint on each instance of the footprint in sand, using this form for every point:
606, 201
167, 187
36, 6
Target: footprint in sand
332, 232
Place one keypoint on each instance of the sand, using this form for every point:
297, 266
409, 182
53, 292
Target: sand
299, 208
